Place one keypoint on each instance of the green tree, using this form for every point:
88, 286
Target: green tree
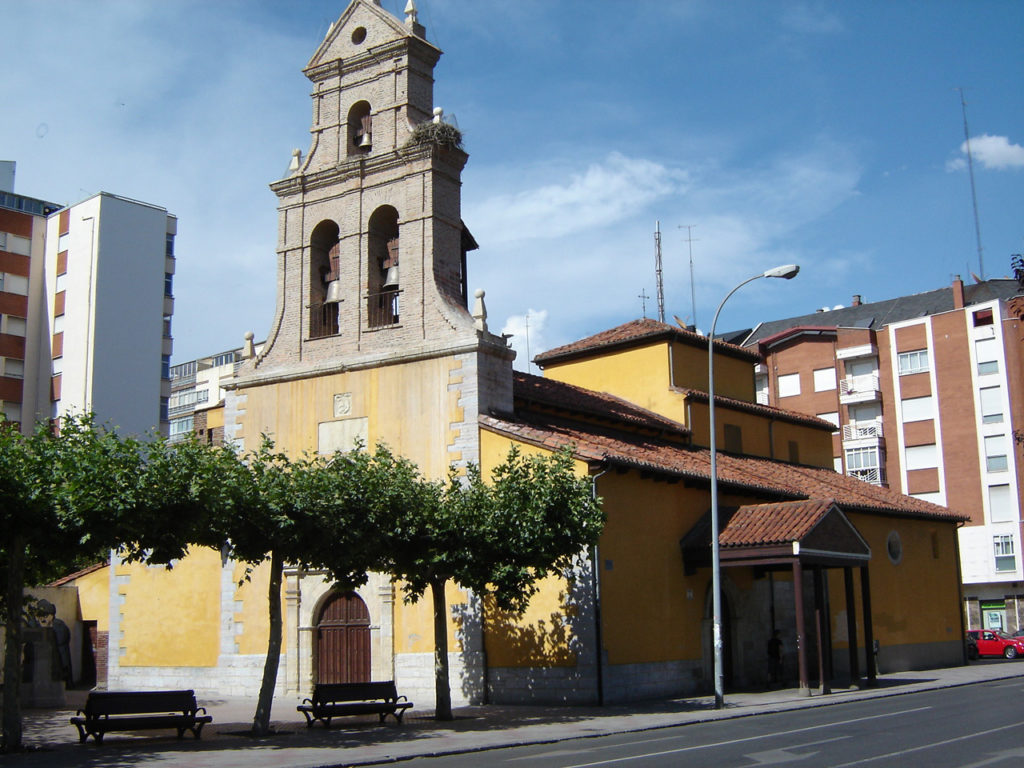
63, 499
496, 538
314, 512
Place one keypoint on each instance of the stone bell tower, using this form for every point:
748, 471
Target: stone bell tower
371, 246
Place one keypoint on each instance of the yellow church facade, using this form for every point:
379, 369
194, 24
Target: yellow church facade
377, 339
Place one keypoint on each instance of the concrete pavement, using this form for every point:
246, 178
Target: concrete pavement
53, 741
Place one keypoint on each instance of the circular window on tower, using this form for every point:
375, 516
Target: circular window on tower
358, 35
894, 548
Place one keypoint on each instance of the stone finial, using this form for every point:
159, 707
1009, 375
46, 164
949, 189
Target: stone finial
479, 311
296, 160
248, 350
411, 14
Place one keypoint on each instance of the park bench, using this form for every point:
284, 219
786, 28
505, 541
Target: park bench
341, 699
139, 710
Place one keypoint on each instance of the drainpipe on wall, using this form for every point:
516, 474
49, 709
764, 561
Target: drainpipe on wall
595, 587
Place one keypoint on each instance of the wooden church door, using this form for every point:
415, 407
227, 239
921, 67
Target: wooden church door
343, 640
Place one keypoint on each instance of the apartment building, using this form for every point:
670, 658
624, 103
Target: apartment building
925, 392
87, 317
198, 385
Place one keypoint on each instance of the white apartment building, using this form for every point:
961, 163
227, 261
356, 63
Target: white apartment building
86, 322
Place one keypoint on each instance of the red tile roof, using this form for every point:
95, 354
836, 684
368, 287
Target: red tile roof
532, 391
736, 473
78, 574
780, 414
635, 332
778, 523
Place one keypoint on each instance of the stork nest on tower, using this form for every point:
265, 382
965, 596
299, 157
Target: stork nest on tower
441, 133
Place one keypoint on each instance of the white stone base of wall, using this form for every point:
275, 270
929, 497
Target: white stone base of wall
576, 685
236, 675
414, 678
656, 680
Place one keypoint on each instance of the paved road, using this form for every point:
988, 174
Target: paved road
976, 725
363, 741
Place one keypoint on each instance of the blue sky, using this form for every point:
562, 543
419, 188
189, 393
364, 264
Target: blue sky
826, 134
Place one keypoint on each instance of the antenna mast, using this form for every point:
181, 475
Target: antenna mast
693, 290
657, 272
974, 196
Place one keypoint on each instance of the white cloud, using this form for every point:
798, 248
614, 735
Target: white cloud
995, 152
527, 337
612, 190
812, 19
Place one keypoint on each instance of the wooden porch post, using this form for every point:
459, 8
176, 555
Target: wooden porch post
851, 627
869, 632
822, 621
801, 635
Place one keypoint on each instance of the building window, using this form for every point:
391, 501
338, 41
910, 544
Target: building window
169, 250
789, 385
733, 438
913, 362
824, 379
1001, 507
60, 283
13, 369
1006, 560
983, 317
165, 366
922, 457
987, 354
864, 464
832, 416
991, 405
164, 408
58, 366
181, 426
63, 241
168, 284
14, 326
13, 284
918, 409
12, 411
995, 453
761, 388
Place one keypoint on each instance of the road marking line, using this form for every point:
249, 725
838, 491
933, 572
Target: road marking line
747, 738
929, 746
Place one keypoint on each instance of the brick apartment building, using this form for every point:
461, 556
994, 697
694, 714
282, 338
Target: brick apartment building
925, 392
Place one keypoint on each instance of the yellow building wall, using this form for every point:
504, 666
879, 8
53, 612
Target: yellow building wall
733, 378
408, 406
914, 601
651, 611
414, 622
255, 614
171, 618
638, 374
94, 597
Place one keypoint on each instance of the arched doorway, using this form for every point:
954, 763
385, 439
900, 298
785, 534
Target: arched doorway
343, 640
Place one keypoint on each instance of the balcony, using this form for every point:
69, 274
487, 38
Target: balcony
859, 389
873, 475
863, 430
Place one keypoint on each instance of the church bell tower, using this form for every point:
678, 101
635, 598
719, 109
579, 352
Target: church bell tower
371, 245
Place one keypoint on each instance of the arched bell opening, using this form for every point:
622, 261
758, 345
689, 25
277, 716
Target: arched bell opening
324, 280
360, 129
382, 270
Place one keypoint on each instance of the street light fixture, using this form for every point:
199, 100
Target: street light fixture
786, 272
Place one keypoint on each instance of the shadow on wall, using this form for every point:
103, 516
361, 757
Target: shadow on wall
543, 646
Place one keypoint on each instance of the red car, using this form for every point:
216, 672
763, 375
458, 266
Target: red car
990, 642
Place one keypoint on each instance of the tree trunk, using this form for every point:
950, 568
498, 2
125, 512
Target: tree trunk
261, 722
13, 638
442, 688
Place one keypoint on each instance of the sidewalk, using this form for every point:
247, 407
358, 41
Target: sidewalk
53, 741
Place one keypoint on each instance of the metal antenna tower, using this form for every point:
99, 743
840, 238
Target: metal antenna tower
657, 273
693, 290
974, 195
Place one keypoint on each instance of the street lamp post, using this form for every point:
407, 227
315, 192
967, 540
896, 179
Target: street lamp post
787, 272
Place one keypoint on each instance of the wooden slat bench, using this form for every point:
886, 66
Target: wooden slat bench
341, 699
139, 710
